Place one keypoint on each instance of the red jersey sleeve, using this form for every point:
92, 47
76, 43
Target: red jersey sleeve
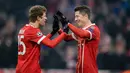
52, 43
88, 33
68, 37
94, 32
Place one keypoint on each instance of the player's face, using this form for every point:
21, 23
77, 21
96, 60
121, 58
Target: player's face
80, 19
43, 19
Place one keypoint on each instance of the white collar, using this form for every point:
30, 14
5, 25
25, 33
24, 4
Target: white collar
88, 26
27, 25
30, 25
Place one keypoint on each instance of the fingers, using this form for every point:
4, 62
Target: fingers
58, 16
59, 13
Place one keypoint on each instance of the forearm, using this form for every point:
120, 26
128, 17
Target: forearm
49, 35
52, 43
79, 32
68, 36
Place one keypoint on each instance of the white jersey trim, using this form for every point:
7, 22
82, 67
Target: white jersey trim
90, 35
39, 41
88, 26
73, 36
83, 55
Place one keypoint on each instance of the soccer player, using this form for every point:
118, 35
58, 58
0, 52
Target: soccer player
30, 37
87, 36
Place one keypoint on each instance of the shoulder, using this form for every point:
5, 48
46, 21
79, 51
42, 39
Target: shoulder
94, 30
97, 29
29, 31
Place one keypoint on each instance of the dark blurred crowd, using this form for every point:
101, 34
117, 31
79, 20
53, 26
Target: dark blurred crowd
112, 17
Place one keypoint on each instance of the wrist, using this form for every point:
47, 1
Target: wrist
68, 24
60, 30
53, 32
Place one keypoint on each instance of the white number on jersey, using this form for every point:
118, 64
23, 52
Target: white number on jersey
21, 43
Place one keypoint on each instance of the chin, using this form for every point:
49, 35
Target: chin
79, 24
43, 24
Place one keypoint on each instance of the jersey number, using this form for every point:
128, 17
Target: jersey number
21, 43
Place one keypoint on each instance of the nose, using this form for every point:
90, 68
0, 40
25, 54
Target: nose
75, 19
45, 18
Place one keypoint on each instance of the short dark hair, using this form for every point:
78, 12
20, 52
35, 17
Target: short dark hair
36, 11
83, 9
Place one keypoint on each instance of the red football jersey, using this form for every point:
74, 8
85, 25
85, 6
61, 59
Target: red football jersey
88, 50
88, 40
29, 39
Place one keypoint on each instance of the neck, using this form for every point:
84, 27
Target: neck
87, 23
34, 24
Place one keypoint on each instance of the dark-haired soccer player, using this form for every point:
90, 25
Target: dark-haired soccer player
87, 36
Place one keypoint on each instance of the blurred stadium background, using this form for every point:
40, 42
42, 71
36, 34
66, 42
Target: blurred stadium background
112, 17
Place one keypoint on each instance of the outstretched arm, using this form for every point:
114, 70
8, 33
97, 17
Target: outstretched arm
79, 32
49, 35
52, 43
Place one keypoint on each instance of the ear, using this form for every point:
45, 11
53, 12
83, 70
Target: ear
38, 18
86, 15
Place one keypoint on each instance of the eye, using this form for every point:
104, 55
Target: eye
76, 16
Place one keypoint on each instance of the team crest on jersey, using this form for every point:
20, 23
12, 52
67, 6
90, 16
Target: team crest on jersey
39, 34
